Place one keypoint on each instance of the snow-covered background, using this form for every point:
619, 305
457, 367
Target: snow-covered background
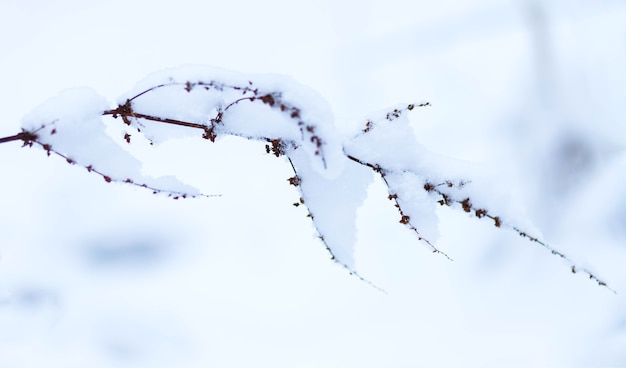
105, 275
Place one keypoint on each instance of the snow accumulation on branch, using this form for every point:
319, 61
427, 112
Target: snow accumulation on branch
331, 174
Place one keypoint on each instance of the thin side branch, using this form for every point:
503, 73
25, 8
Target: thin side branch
170, 193
466, 205
404, 219
295, 181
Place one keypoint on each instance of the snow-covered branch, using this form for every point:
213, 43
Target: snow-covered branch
332, 174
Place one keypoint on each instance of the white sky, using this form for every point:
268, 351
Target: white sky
240, 280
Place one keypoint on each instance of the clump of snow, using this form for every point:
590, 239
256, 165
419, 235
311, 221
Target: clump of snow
407, 189
389, 143
333, 203
71, 125
254, 106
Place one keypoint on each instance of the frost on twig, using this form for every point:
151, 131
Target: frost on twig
331, 175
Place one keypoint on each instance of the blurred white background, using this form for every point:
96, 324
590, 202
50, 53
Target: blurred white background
103, 275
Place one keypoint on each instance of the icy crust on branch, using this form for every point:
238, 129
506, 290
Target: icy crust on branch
71, 126
269, 108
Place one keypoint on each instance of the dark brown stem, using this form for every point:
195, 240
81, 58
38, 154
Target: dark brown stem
133, 114
26, 137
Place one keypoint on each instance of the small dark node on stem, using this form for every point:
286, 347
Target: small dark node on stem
392, 196
410, 107
106, 178
378, 169
268, 99
393, 115
124, 111
47, 148
573, 269
296, 204
69, 161
89, 168
445, 200
467, 206
209, 134
480, 213
405, 219
429, 187
497, 221
318, 142
127, 137
275, 148
188, 86
294, 180
28, 138
368, 126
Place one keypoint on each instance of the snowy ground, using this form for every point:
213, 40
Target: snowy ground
105, 275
